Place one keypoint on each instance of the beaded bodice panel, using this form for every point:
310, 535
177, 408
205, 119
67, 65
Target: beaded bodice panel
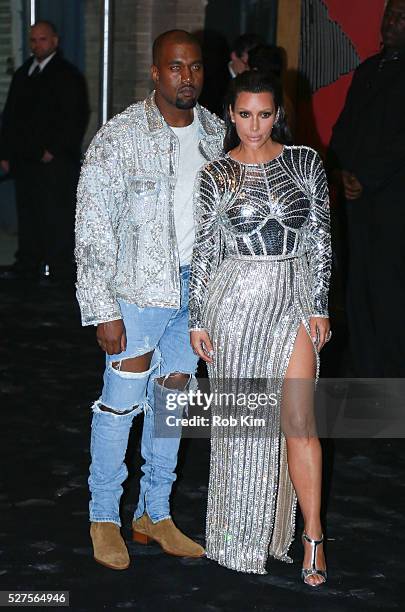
278, 209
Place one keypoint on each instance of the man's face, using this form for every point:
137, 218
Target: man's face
43, 41
393, 25
179, 74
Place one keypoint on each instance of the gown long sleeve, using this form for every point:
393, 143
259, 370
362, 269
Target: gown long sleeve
207, 249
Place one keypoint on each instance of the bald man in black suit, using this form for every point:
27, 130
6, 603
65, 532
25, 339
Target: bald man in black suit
43, 124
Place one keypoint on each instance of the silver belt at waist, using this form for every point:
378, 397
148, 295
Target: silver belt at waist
254, 258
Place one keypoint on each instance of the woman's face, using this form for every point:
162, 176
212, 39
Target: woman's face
254, 115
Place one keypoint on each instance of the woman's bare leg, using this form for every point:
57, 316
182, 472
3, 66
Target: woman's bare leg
303, 446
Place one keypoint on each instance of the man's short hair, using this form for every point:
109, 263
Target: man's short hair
246, 42
177, 35
47, 23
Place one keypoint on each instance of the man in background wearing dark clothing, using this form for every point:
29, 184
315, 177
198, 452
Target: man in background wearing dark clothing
43, 124
239, 57
218, 74
368, 145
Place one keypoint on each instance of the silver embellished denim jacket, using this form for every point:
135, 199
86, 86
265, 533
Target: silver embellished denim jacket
126, 244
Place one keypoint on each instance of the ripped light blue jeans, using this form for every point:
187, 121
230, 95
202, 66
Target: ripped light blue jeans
165, 332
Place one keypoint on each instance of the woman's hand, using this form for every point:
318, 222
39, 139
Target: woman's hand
320, 331
202, 345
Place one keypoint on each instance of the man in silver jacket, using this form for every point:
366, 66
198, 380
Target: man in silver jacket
134, 236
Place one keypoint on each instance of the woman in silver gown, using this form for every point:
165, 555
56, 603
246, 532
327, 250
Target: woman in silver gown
259, 310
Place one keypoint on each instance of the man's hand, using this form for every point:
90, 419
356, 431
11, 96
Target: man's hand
352, 187
112, 337
47, 157
5, 165
202, 346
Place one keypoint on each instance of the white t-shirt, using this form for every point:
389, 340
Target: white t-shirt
190, 161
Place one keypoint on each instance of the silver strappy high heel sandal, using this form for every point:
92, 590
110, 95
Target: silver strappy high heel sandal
313, 570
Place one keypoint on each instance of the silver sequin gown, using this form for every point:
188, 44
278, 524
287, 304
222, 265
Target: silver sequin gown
260, 267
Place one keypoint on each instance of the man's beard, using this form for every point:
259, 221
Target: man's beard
186, 104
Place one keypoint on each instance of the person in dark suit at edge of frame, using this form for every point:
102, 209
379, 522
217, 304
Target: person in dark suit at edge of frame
368, 150
43, 124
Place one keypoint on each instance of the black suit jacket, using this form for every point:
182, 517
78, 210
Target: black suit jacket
369, 136
48, 111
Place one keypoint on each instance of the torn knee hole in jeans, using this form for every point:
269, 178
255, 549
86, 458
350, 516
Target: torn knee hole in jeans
133, 367
98, 406
180, 381
118, 412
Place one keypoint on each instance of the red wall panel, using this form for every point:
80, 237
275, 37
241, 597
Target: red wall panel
361, 21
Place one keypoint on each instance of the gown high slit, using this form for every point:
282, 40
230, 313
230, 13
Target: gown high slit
260, 269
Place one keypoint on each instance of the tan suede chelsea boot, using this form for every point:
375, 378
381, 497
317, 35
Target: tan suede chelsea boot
109, 547
165, 532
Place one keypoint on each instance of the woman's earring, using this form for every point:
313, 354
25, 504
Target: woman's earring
277, 117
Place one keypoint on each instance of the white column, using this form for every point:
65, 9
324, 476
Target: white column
32, 12
105, 76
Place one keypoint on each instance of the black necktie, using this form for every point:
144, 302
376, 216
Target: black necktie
36, 71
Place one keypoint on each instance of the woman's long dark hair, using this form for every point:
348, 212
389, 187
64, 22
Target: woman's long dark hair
253, 81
